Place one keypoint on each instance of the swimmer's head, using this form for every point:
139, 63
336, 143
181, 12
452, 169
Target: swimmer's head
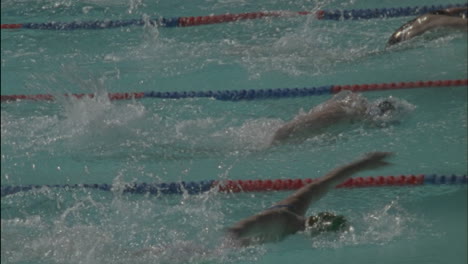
389, 110
326, 222
385, 106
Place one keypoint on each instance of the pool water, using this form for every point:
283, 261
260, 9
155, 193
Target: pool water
95, 140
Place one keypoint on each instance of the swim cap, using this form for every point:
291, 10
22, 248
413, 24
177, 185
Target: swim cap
326, 221
385, 106
384, 109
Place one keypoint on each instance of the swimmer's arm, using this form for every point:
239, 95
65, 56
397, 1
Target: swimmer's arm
430, 22
449, 21
301, 199
313, 121
424, 23
455, 10
266, 226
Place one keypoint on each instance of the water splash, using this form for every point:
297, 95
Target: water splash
378, 227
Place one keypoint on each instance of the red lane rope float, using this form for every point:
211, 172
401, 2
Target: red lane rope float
399, 85
216, 19
290, 184
236, 95
11, 26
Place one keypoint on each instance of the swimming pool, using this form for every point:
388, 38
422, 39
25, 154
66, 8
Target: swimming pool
71, 141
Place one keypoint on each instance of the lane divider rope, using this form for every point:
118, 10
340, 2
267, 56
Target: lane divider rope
235, 186
352, 14
236, 95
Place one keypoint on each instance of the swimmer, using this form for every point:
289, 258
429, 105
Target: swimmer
341, 108
287, 216
455, 18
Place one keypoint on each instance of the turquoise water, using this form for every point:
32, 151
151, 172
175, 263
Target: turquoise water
154, 140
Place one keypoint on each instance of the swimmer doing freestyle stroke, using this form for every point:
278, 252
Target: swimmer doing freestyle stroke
344, 107
287, 216
454, 18
284, 218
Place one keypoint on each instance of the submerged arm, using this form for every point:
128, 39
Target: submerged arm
341, 107
267, 226
313, 121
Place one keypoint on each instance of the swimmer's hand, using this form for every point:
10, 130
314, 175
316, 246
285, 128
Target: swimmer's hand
375, 160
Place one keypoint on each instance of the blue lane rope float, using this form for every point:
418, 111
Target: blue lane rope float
380, 12
352, 14
246, 185
136, 188
236, 95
